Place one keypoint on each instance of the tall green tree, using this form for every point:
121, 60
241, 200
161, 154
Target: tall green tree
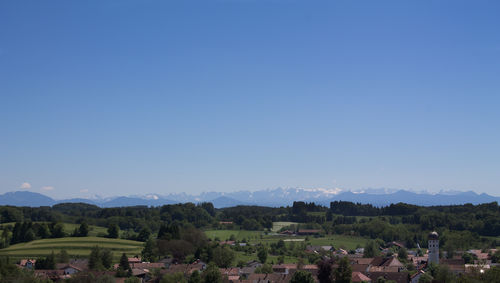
177, 277
62, 256
209, 207
264, 269
425, 278
106, 258
148, 252
212, 274
444, 275
325, 269
124, 262
123, 267
262, 254
371, 249
43, 231
195, 277
113, 231
57, 230
49, 262
302, 276
95, 262
83, 230
144, 234
5, 238
223, 256
403, 254
343, 273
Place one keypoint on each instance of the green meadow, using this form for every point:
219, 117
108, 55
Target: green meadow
278, 225
265, 238
80, 246
257, 237
239, 235
75, 246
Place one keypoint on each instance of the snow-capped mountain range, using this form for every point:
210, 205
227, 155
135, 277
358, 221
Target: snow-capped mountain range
269, 197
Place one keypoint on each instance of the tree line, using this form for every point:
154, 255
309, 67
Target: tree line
461, 225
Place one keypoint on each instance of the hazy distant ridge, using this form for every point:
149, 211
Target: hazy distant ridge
275, 197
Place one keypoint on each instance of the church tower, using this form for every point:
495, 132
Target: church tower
433, 246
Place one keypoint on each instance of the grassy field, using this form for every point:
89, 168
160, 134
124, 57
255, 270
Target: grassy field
75, 246
93, 230
339, 241
239, 235
278, 225
257, 237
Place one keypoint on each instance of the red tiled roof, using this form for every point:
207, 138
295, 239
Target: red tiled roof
310, 267
360, 267
360, 277
23, 262
147, 265
309, 231
134, 259
230, 271
364, 260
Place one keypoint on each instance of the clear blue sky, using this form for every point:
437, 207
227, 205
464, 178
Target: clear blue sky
133, 97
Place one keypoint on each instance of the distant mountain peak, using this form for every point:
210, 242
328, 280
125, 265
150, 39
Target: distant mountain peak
267, 197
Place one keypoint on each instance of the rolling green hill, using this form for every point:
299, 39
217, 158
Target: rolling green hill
75, 246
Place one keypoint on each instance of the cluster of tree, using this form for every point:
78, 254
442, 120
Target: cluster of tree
19, 214
9, 272
186, 244
124, 269
495, 257
461, 226
139, 222
81, 231
177, 241
29, 231
92, 277
258, 217
210, 275
402, 222
483, 219
442, 274
250, 217
100, 259
301, 212
328, 274
48, 262
294, 249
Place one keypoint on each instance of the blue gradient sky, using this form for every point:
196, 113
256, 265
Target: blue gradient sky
131, 97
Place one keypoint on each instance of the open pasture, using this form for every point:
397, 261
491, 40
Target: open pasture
239, 235
278, 225
75, 246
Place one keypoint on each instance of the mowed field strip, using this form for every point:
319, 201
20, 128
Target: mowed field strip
75, 246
